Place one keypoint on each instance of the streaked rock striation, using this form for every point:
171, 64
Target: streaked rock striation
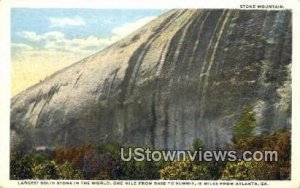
188, 74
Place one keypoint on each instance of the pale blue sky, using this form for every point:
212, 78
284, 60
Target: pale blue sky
97, 22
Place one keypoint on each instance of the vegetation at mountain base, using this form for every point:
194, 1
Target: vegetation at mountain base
104, 162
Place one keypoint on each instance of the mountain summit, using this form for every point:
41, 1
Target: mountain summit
187, 74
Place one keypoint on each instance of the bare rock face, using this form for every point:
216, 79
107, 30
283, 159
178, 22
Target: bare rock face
188, 74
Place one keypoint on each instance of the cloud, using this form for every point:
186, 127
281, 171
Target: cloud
31, 36
128, 28
91, 43
53, 35
34, 37
21, 46
17, 49
55, 40
66, 21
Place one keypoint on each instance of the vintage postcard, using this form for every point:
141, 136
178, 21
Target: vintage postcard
117, 94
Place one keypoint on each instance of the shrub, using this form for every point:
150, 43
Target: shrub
66, 171
250, 170
184, 170
45, 170
20, 167
239, 171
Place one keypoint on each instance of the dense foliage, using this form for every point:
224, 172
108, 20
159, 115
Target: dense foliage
104, 162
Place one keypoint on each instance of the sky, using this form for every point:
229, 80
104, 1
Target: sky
46, 40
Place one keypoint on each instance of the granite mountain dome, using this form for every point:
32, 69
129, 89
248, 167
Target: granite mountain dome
187, 74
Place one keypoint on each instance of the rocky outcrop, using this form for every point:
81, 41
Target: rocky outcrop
188, 74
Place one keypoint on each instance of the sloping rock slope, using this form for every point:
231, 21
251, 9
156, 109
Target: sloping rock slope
187, 74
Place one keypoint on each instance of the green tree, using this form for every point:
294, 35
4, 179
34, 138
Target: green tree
197, 143
245, 126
